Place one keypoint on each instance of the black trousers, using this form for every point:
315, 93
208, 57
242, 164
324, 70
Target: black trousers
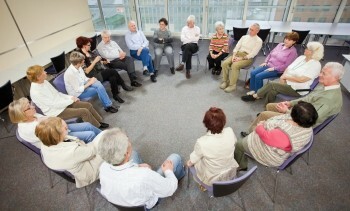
187, 51
216, 63
126, 64
114, 79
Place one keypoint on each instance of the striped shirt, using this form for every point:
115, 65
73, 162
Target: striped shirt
219, 44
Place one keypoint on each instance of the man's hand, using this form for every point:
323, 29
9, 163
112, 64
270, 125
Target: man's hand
75, 99
145, 165
121, 55
189, 163
283, 107
139, 51
167, 165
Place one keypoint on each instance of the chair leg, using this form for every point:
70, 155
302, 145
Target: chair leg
67, 187
5, 125
50, 178
188, 177
275, 189
198, 62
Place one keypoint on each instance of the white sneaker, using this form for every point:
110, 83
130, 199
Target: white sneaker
251, 92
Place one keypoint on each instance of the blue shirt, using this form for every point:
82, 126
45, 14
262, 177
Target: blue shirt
136, 40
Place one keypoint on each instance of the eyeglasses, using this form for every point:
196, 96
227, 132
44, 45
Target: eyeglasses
31, 106
88, 44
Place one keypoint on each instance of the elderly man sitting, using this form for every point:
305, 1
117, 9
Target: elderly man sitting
326, 97
244, 52
126, 180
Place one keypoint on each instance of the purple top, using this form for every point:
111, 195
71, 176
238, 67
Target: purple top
280, 58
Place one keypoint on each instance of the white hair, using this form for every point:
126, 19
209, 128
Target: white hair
113, 146
218, 24
337, 69
317, 50
257, 26
106, 32
191, 18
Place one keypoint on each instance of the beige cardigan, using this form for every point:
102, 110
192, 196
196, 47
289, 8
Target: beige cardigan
213, 156
78, 158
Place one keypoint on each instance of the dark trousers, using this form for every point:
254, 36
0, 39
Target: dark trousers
187, 51
126, 64
114, 79
216, 63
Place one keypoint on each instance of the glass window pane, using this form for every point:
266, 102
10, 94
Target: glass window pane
116, 13
345, 17
266, 10
150, 12
95, 15
316, 11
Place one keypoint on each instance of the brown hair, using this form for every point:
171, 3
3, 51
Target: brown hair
34, 72
16, 110
81, 41
49, 131
292, 36
214, 120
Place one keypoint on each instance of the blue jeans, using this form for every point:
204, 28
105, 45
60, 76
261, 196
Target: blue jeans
145, 57
179, 169
258, 75
85, 131
99, 89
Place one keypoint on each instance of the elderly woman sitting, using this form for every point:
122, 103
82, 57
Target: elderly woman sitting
213, 155
218, 48
275, 140
23, 112
74, 156
298, 75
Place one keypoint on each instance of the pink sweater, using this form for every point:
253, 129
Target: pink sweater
274, 138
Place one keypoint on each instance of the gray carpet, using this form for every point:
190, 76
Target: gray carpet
166, 117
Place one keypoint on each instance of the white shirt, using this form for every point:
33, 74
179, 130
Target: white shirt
109, 50
300, 67
190, 35
74, 80
48, 99
250, 45
136, 40
130, 185
26, 130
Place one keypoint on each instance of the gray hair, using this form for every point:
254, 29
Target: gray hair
256, 25
336, 68
317, 50
113, 146
76, 57
106, 32
218, 24
191, 18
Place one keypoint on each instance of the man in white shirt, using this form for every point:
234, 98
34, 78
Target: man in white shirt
78, 85
244, 52
128, 182
189, 38
116, 57
138, 45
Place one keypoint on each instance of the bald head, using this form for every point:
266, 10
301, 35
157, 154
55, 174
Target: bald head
132, 26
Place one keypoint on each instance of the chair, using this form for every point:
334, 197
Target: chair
58, 64
122, 208
248, 68
30, 146
263, 34
94, 42
324, 124
237, 34
61, 87
195, 54
6, 97
222, 188
303, 35
283, 97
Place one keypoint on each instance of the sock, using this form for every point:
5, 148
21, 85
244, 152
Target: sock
145, 68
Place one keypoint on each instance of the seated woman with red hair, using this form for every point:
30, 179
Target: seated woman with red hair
213, 154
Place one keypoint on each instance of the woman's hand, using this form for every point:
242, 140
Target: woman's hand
263, 64
270, 69
189, 163
97, 59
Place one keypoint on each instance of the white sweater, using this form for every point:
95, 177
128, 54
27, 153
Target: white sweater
248, 44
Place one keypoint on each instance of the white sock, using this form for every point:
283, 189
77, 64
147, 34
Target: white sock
145, 68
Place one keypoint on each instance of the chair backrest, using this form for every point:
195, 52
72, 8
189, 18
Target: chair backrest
93, 42
314, 84
296, 155
6, 95
59, 62
263, 34
239, 32
122, 208
27, 144
224, 188
302, 35
62, 173
324, 124
284, 97
59, 83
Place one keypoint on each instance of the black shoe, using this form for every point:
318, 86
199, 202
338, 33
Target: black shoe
217, 71
257, 114
133, 76
111, 109
103, 125
145, 72
248, 98
172, 70
212, 70
127, 88
188, 74
180, 67
119, 99
153, 78
244, 134
135, 84
156, 73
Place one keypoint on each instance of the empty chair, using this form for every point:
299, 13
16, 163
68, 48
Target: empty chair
303, 35
222, 188
282, 97
58, 64
324, 124
6, 97
263, 34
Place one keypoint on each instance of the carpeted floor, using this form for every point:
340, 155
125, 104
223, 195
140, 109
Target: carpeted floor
166, 117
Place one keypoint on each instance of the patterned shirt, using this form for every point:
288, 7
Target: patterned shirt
219, 44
